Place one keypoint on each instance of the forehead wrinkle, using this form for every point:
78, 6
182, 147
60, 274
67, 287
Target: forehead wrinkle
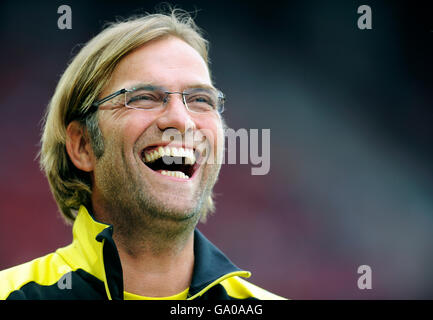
170, 62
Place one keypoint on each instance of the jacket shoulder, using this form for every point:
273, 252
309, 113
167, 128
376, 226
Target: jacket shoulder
238, 288
44, 271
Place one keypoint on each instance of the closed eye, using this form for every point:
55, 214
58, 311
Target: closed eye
200, 99
144, 97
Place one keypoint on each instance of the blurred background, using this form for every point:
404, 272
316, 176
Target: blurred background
351, 120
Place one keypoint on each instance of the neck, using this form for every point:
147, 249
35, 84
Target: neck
157, 256
157, 273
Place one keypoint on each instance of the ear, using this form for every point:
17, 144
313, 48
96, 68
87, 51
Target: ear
78, 147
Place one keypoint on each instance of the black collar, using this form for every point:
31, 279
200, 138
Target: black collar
211, 266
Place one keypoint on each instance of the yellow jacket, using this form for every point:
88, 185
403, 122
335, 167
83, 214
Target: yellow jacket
90, 268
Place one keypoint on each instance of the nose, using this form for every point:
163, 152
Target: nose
175, 114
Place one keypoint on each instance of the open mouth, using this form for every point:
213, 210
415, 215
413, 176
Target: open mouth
171, 161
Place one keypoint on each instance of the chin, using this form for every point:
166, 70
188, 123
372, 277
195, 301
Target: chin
180, 209
181, 212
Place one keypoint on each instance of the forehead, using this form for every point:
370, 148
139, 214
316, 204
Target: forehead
169, 62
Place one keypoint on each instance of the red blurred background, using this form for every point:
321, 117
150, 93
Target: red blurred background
350, 114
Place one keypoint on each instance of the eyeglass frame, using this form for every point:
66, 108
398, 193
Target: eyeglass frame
94, 106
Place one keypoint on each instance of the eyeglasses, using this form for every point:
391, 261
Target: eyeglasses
197, 100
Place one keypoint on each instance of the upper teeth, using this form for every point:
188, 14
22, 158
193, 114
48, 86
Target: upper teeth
188, 154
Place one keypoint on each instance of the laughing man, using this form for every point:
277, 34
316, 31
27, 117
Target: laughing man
134, 197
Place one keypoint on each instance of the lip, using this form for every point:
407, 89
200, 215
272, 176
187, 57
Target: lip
196, 167
198, 155
167, 143
158, 174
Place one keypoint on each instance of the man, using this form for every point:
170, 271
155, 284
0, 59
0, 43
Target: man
134, 193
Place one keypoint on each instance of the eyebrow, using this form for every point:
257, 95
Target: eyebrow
153, 87
146, 86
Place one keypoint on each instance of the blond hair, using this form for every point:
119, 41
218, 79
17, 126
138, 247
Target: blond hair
80, 85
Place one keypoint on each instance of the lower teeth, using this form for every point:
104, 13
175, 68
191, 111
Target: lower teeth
177, 174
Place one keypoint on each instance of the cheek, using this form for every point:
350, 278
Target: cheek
127, 128
135, 122
212, 129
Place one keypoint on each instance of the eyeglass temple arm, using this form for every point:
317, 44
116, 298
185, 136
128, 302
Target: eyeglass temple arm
96, 104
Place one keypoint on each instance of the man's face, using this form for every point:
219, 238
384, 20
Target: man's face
122, 181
